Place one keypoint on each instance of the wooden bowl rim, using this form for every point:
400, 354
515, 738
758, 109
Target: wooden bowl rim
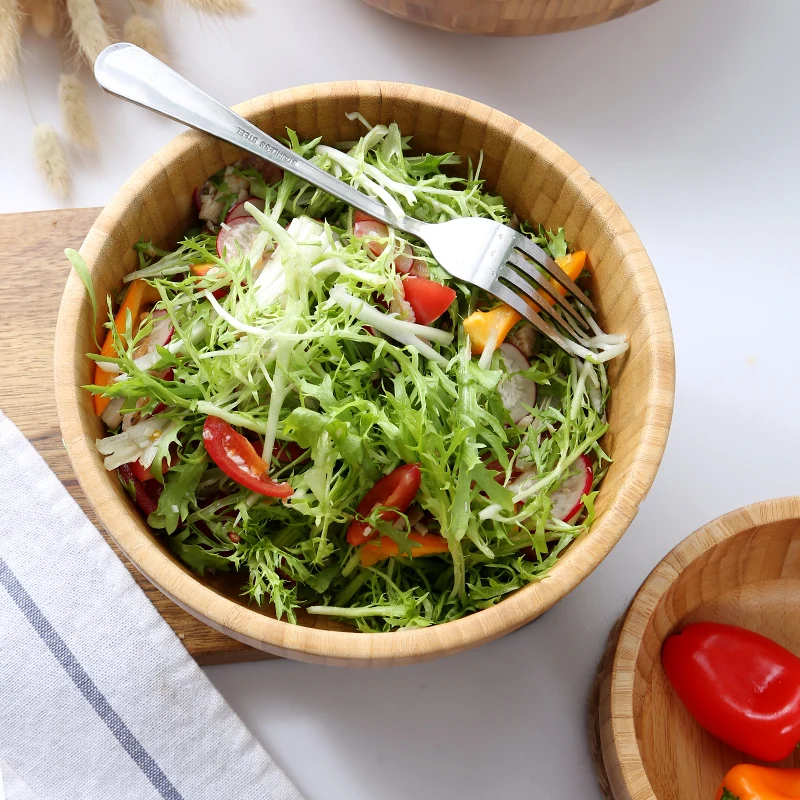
617, 694
527, 18
258, 630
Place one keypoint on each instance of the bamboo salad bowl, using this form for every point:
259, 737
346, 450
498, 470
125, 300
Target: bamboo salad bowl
741, 569
540, 182
509, 17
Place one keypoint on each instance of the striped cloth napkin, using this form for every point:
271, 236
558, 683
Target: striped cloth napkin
99, 699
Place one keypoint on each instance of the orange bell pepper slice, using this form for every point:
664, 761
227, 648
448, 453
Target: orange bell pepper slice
485, 326
139, 294
202, 270
750, 782
386, 547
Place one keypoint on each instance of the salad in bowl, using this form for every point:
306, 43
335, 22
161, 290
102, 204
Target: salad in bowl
299, 394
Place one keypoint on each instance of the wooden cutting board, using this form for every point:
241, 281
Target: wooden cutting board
34, 271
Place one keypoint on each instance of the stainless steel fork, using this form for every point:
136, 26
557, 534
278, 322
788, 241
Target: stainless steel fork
479, 251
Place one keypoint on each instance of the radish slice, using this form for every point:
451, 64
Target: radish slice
147, 354
237, 237
568, 498
404, 263
364, 225
111, 415
162, 329
238, 210
516, 391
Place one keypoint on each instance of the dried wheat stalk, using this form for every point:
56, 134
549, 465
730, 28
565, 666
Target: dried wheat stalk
88, 27
11, 20
146, 34
43, 15
92, 32
75, 112
50, 160
221, 7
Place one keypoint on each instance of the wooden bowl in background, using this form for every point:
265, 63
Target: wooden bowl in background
742, 569
540, 182
509, 17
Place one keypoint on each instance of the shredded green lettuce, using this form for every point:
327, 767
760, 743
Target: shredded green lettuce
292, 342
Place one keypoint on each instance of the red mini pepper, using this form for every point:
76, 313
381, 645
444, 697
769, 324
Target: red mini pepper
739, 685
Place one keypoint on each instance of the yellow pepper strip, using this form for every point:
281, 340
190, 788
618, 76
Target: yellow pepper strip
491, 327
749, 782
385, 547
481, 325
139, 294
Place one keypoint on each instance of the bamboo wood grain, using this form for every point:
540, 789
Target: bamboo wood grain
509, 17
741, 569
34, 272
541, 183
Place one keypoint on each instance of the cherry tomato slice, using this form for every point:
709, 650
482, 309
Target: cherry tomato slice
395, 490
428, 299
235, 456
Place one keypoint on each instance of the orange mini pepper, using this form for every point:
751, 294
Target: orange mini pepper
139, 294
429, 544
750, 782
483, 327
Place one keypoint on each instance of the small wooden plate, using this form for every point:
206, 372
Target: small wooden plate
741, 569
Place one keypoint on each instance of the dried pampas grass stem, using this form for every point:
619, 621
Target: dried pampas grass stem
43, 14
145, 33
10, 36
75, 112
50, 160
88, 27
221, 7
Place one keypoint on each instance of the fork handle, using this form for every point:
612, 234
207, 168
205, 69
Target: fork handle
133, 74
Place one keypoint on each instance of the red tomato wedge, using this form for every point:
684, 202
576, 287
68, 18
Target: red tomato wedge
428, 299
404, 263
395, 490
235, 456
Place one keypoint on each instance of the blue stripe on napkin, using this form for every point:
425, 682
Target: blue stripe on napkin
71, 665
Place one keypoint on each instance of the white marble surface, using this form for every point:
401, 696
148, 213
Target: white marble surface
687, 112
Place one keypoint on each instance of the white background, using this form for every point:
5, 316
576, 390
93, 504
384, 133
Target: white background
687, 112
